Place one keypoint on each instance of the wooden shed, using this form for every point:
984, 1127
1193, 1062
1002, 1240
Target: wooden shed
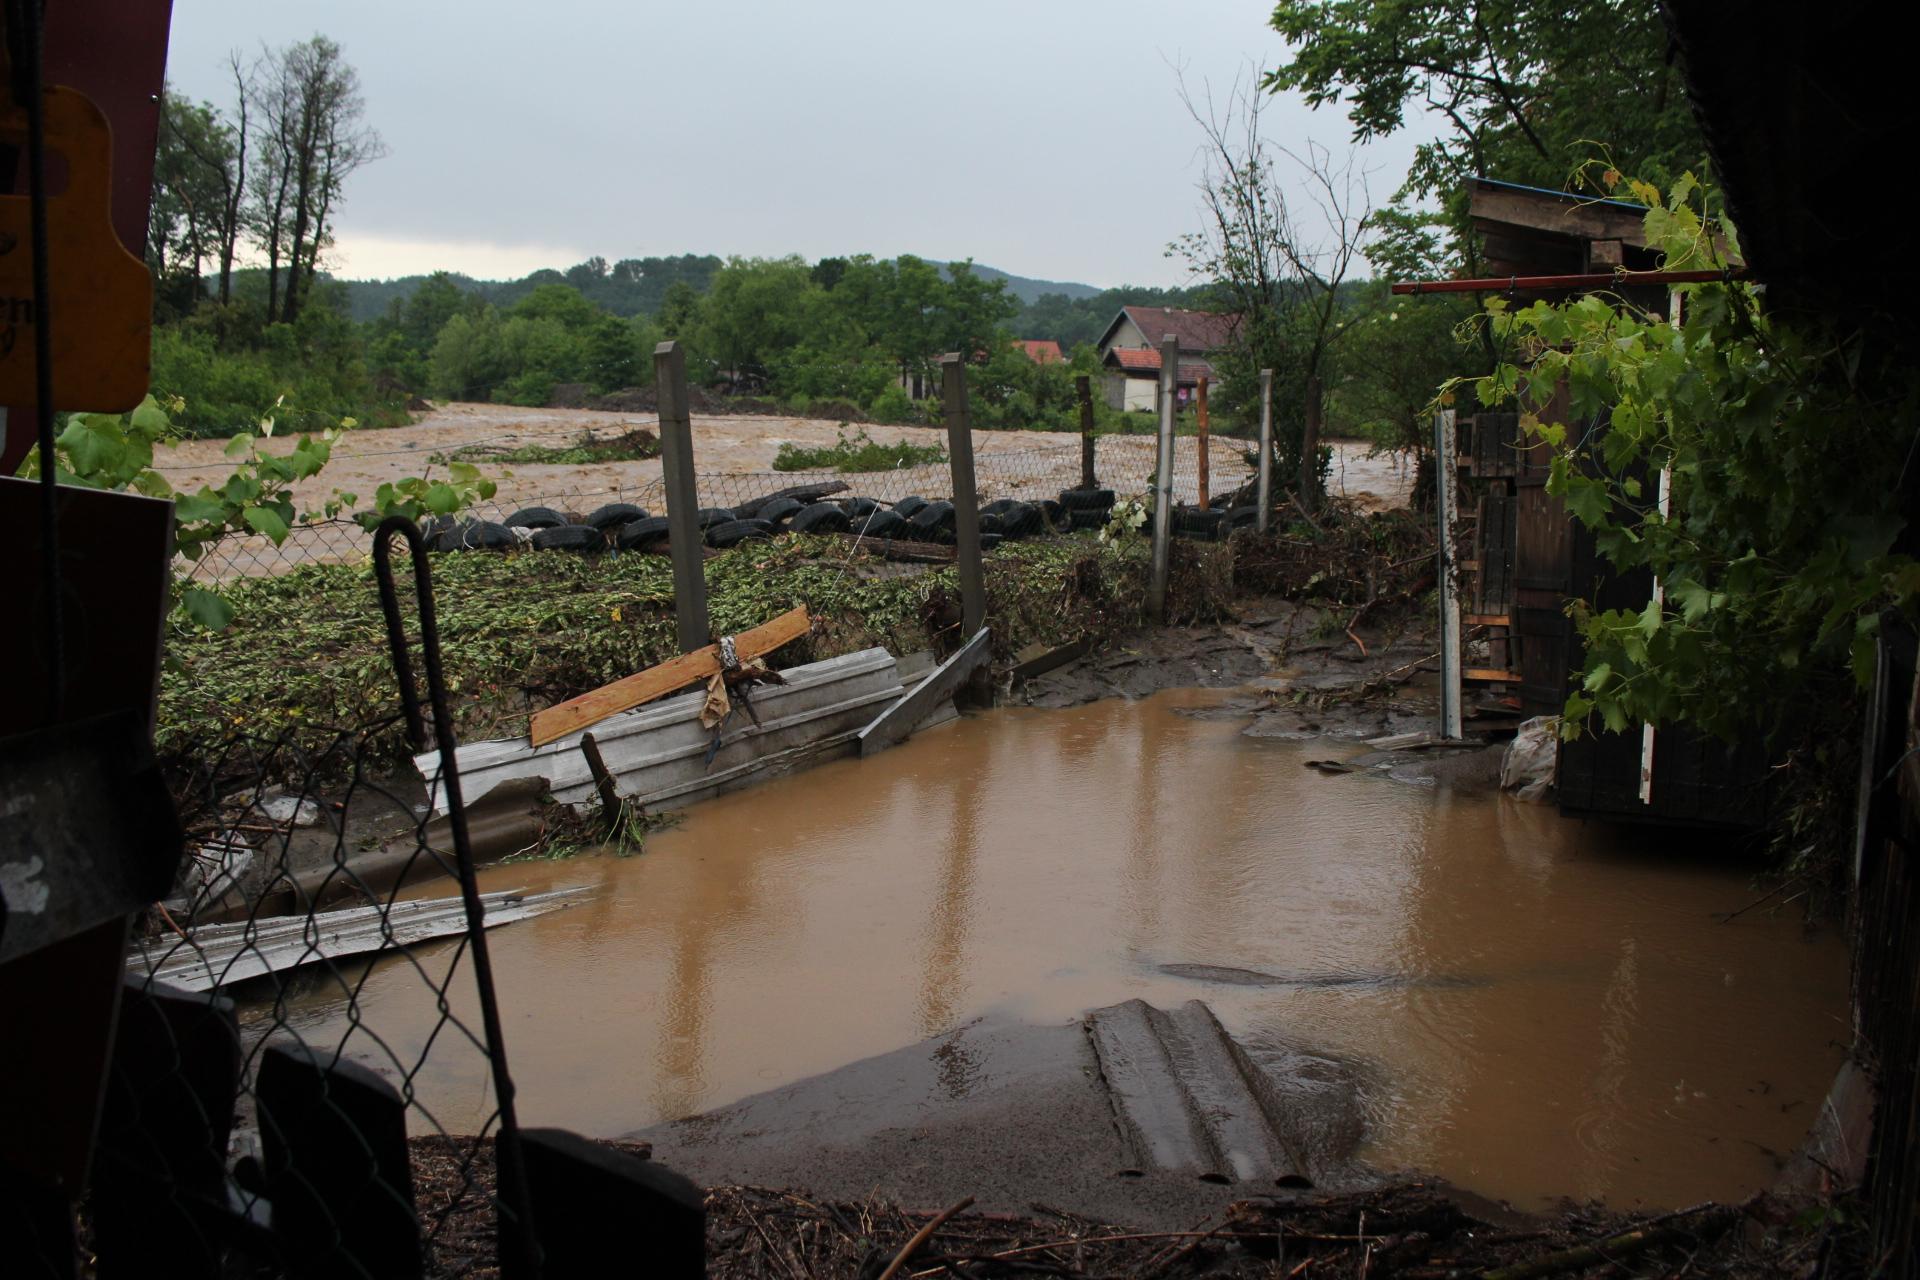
1530, 557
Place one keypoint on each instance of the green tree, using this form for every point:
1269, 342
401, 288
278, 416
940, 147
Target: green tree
1527, 86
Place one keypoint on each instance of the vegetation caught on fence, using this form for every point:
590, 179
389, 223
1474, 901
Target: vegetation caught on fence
858, 452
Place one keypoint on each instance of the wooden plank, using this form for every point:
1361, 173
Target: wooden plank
578, 713
1038, 659
1446, 507
1488, 619
1490, 676
900, 719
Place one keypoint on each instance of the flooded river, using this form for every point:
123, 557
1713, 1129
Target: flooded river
1533, 1007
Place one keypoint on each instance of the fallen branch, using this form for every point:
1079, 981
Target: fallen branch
1611, 1249
920, 1237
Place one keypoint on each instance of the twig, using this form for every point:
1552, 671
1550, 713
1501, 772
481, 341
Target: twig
1774, 892
1358, 643
920, 1237
1302, 512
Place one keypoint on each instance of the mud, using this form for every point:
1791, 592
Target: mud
1294, 672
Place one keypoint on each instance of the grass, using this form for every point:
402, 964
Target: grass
634, 446
523, 630
860, 452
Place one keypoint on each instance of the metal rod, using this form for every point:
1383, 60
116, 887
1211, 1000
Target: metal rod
1590, 280
1163, 482
683, 501
512, 1179
1202, 460
1265, 491
966, 498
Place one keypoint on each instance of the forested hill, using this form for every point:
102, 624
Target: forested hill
1065, 311
630, 287
636, 286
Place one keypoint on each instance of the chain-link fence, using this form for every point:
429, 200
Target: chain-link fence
1122, 463
258, 1112
304, 1018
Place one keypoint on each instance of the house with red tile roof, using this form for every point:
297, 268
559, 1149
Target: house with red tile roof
1041, 350
1130, 351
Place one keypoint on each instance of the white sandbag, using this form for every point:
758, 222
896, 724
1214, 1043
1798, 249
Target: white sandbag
1528, 767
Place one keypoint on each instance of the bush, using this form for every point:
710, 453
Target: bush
893, 405
860, 453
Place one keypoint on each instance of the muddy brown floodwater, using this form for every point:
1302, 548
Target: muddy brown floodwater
1535, 1007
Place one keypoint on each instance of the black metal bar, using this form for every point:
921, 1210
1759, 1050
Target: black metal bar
509, 1157
25, 31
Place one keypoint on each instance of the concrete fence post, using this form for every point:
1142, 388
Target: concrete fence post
966, 499
1265, 498
1083, 387
683, 498
1163, 482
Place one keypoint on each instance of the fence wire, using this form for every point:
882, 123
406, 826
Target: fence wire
301, 852
1123, 463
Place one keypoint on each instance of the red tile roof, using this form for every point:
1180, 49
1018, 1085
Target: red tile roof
1198, 331
1042, 350
1147, 360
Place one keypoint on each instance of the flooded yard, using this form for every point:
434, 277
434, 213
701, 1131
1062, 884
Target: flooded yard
1529, 1007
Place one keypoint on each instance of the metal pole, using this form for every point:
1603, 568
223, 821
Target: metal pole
1446, 474
683, 500
1265, 498
1205, 462
1083, 386
1163, 482
966, 501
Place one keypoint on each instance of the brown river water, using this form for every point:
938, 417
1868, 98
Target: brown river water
1535, 1007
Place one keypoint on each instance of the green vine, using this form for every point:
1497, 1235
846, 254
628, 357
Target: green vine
1777, 545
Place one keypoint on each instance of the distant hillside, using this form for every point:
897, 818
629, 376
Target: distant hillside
1029, 290
635, 286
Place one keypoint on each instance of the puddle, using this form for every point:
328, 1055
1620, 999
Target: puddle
1541, 1008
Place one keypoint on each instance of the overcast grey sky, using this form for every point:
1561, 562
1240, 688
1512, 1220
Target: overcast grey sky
1043, 138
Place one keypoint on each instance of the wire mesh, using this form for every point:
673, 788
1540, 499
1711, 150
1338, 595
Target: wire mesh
299, 850
1123, 463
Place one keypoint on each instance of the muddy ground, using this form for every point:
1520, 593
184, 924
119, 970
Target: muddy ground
1411, 1229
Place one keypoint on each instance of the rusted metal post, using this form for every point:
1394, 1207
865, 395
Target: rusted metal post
1083, 387
1265, 491
683, 498
966, 500
1163, 482
1204, 461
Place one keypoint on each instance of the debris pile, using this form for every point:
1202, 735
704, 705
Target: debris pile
1372, 560
1409, 1230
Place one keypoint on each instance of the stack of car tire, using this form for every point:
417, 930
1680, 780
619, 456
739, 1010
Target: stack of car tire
622, 526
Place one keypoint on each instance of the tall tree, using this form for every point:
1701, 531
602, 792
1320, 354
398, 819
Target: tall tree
312, 118
1283, 271
1530, 89
193, 167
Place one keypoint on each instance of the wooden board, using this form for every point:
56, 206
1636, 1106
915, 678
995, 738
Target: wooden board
643, 687
1490, 676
